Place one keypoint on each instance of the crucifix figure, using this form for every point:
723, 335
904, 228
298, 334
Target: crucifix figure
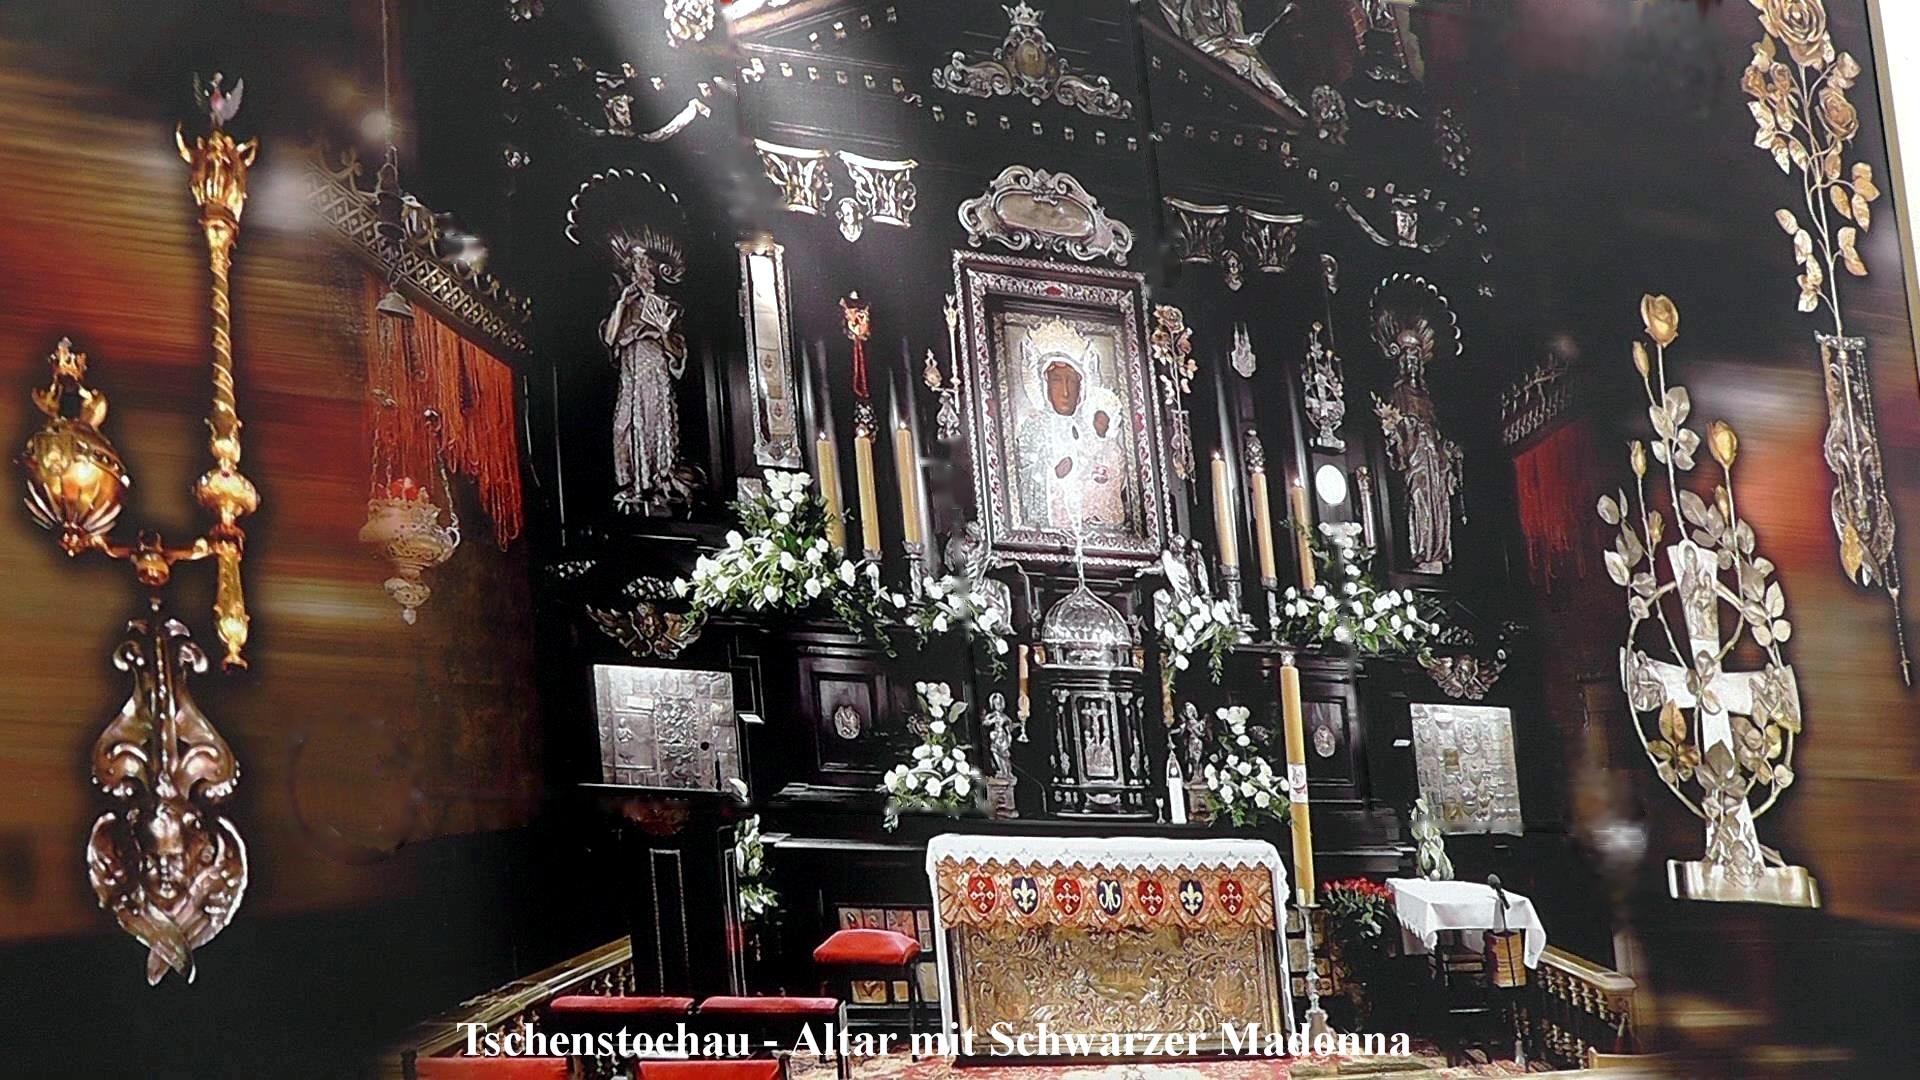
1716, 697
859, 327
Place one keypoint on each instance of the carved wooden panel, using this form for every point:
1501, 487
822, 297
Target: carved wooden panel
854, 711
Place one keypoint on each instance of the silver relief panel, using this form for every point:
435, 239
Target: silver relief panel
667, 728
1464, 756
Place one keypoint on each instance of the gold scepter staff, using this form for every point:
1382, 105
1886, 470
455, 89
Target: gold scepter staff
218, 182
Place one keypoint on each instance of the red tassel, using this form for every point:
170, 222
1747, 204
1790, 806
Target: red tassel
423, 367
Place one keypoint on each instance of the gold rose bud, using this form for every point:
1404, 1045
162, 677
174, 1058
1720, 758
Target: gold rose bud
1662, 319
1638, 455
1640, 361
1725, 444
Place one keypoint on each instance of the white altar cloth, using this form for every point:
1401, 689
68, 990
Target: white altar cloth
1426, 908
1144, 852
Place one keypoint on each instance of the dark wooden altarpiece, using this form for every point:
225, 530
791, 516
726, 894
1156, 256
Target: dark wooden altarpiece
1281, 235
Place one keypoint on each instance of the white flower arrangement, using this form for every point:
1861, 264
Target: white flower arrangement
1240, 781
757, 898
939, 779
1196, 624
1348, 609
783, 562
952, 604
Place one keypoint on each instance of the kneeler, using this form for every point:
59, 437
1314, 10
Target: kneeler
878, 955
775, 1019
595, 1013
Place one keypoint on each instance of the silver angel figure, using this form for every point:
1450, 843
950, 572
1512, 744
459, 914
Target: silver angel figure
1428, 461
644, 335
1002, 732
1217, 28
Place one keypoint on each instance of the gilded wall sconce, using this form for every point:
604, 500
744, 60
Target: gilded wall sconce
163, 859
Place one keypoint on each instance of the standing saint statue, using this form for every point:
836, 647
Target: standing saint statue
1430, 463
644, 336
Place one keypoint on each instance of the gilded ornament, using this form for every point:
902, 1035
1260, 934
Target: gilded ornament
1027, 65
1171, 346
1801, 25
1032, 209
1804, 119
1722, 741
1662, 322
1723, 442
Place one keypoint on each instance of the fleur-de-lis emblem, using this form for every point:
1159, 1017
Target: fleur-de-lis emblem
1233, 897
980, 893
1109, 895
1025, 896
1066, 895
1192, 897
1153, 897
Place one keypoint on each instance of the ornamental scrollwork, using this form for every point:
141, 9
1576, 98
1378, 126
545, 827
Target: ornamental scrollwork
1032, 209
1027, 65
443, 264
165, 861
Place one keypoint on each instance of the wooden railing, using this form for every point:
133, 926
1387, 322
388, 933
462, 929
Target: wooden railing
605, 970
1583, 1008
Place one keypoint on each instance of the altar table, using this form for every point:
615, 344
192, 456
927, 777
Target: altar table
1109, 935
1427, 908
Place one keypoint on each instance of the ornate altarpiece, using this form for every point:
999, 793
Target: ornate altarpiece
1109, 935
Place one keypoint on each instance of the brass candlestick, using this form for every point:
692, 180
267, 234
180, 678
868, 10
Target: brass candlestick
164, 860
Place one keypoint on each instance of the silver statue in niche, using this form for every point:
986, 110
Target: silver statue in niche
1409, 318
1326, 389
643, 333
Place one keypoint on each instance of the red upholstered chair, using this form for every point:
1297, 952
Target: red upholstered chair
773, 1018
883, 955
755, 1069
487, 1068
